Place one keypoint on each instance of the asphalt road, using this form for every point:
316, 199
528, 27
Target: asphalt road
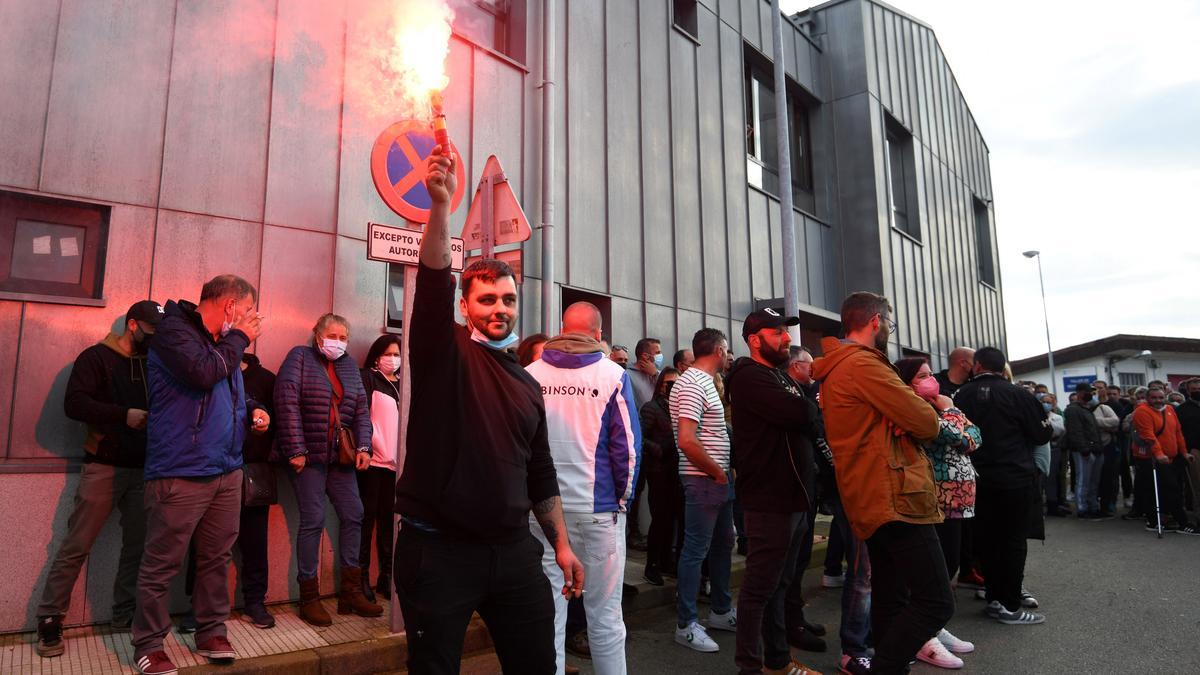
1116, 600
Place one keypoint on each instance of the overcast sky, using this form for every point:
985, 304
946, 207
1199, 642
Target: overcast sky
1091, 111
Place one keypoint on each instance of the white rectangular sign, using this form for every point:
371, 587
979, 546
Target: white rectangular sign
402, 246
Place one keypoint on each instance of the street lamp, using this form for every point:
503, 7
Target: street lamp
1046, 318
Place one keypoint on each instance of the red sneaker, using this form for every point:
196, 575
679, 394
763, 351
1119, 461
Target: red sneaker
216, 647
971, 580
156, 663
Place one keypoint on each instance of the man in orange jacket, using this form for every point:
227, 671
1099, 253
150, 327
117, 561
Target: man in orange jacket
873, 424
1160, 439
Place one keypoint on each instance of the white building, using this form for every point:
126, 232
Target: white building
1127, 360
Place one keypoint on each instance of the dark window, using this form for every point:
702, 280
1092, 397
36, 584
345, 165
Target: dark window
983, 243
683, 15
498, 25
52, 247
901, 179
395, 297
762, 150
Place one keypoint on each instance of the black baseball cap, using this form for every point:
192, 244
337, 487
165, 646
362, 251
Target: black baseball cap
766, 318
146, 311
1084, 386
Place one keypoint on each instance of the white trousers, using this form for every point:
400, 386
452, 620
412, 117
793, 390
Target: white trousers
598, 540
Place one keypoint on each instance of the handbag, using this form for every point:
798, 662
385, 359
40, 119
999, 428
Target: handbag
1141, 446
343, 439
258, 484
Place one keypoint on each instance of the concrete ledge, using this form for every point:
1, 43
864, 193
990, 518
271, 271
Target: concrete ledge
306, 662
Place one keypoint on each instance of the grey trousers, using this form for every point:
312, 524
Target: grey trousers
176, 510
101, 488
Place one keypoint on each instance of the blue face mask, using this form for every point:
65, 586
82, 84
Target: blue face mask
498, 345
658, 361
1047, 407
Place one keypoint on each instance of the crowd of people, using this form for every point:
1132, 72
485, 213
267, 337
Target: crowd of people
517, 490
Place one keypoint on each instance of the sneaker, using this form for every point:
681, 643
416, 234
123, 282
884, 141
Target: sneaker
188, 623
578, 645
1188, 529
652, 576
829, 581
805, 640
971, 579
216, 647
121, 624
726, 621
953, 643
795, 668
993, 609
50, 637
695, 637
1165, 528
1129, 502
1027, 599
1019, 617
156, 663
817, 629
934, 653
258, 615
981, 594
854, 665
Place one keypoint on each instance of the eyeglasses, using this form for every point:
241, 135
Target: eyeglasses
891, 324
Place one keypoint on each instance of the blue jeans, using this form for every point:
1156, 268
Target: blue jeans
1087, 480
707, 532
311, 486
855, 631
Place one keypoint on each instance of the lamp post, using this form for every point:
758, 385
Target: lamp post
1046, 318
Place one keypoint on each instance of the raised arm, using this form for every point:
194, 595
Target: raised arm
441, 182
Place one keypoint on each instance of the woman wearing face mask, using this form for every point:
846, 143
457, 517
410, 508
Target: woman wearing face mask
377, 485
660, 462
319, 391
955, 479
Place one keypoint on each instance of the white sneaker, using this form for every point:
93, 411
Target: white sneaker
993, 609
954, 644
695, 637
981, 594
934, 653
833, 582
726, 621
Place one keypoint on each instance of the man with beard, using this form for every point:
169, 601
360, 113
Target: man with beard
478, 461
107, 391
874, 424
772, 430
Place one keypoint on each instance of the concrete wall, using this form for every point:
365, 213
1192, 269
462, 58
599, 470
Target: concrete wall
235, 137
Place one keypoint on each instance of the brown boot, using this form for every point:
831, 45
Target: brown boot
351, 598
311, 609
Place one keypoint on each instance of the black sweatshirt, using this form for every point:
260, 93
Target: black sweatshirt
478, 455
772, 438
105, 384
259, 384
1012, 423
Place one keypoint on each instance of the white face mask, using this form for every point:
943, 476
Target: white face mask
333, 349
389, 364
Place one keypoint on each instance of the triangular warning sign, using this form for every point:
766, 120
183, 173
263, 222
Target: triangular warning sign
511, 225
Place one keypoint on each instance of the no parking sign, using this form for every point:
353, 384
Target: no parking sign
398, 169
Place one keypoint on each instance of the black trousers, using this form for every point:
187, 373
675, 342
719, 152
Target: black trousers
666, 513
632, 527
774, 542
910, 593
794, 603
252, 542
1171, 478
441, 581
1110, 477
377, 489
968, 555
949, 534
1001, 527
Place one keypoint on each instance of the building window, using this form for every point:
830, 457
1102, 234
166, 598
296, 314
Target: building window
983, 243
51, 247
498, 25
901, 179
683, 16
1132, 379
762, 149
395, 297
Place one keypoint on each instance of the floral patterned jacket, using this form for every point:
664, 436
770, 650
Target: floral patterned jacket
952, 469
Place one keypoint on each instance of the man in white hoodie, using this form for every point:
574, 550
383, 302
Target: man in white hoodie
596, 442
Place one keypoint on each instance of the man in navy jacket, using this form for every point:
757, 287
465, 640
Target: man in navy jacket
197, 423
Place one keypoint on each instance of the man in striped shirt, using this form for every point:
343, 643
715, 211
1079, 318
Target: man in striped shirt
698, 420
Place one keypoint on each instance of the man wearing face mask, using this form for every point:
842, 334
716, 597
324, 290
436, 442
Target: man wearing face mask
107, 391
199, 417
644, 373
1083, 441
478, 461
1161, 440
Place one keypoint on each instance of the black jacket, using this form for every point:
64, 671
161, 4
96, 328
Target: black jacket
105, 384
478, 455
772, 436
1012, 423
827, 491
1083, 433
659, 452
1189, 418
260, 385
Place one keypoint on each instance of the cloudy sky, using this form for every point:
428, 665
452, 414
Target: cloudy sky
1092, 114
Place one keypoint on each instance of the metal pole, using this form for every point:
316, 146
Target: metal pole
548, 131
487, 216
791, 279
1046, 319
405, 382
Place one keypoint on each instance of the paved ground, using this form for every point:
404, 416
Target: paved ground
1117, 600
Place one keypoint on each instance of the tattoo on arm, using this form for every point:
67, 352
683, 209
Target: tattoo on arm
544, 512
